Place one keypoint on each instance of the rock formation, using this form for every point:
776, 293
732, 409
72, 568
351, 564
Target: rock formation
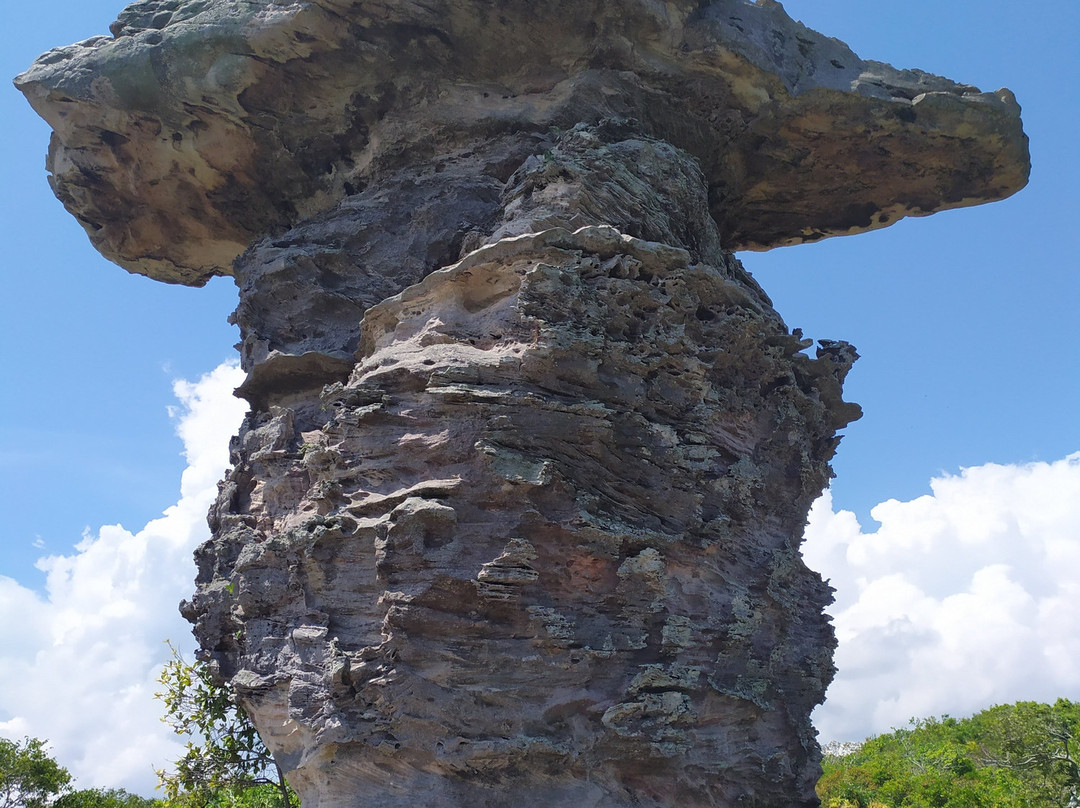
516, 513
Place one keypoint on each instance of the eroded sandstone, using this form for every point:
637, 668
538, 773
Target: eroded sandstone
244, 118
516, 513
599, 598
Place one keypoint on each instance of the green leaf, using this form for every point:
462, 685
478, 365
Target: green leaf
225, 757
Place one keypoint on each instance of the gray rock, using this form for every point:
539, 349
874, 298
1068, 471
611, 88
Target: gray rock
516, 513
548, 534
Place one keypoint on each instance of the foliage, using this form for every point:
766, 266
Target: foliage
29, 778
226, 763
1038, 742
261, 796
1014, 756
103, 798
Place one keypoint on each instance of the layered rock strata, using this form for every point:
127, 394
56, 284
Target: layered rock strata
543, 537
516, 513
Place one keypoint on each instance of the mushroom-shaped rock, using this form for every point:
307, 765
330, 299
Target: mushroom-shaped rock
198, 127
516, 513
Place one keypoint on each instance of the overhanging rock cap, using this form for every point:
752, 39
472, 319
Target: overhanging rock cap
200, 126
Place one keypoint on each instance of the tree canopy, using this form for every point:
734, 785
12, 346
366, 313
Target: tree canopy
29, 777
1022, 755
104, 798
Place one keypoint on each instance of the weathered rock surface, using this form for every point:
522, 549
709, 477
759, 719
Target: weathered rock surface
516, 514
244, 118
541, 545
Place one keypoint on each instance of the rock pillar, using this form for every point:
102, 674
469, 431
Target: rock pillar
515, 516
541, 542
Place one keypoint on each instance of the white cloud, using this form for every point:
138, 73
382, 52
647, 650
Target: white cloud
959, 600
78, 667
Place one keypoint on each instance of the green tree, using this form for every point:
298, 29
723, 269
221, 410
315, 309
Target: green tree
263, 796
1040, 743
937, 763
29, 778
104, 798
225, 762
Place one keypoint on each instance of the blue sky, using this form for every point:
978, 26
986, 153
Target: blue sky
965, 321
91, 350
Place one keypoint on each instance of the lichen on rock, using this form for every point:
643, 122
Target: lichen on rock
516, 512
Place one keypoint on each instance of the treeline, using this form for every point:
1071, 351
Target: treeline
1023, 755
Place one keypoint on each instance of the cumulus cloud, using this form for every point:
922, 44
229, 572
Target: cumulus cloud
961, 599
78, 666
